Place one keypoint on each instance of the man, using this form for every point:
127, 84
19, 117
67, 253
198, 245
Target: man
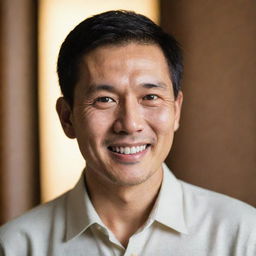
120, 78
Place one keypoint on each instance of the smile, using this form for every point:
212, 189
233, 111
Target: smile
128, 150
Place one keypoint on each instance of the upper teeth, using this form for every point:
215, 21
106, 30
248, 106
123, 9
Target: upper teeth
128, 150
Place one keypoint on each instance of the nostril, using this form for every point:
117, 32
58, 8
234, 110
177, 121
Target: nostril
125, 127
121, 132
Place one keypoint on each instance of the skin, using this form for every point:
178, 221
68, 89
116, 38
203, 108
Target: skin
124, 98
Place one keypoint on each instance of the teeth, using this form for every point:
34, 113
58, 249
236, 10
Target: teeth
128, 150
133, 150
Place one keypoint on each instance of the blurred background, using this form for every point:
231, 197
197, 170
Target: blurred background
215, 146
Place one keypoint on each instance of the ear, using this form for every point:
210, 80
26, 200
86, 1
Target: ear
177, 110
65, 115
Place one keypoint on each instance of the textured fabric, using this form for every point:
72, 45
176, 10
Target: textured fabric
186, 220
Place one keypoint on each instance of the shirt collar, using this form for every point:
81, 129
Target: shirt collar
169, 208
80, 211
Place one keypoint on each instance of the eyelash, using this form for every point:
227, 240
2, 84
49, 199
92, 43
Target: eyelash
150, 97
106, 102
147, 97
103, 99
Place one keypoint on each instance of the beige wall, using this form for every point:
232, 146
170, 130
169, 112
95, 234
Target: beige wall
216, 144
62, 159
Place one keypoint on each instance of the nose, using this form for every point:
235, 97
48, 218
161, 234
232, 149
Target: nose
129, 118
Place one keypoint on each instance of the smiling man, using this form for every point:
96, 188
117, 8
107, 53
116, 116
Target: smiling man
124, 114
120, 78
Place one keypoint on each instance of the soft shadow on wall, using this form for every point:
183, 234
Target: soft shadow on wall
19, 172
215, 146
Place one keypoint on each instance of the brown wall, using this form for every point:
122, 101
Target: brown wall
215, 146
19, 172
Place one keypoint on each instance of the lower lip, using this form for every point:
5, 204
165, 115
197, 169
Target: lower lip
129, 158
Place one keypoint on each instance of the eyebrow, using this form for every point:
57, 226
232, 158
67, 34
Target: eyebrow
101, 87
156, 85
105, 87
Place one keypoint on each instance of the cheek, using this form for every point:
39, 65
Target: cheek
161, 120
92, 125
91, 128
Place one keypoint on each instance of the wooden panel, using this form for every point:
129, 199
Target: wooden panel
19, 189
1, 113
216, 144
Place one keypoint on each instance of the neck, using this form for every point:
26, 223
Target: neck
123, 209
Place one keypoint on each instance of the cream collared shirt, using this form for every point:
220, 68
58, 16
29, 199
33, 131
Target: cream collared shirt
186, 220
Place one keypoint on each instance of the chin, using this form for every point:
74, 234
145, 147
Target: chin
130, 179
128, 182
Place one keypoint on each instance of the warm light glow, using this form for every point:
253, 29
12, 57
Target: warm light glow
61, 162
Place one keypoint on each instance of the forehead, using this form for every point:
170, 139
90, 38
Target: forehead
131, 61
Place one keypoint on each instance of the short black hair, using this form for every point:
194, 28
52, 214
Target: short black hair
113, 28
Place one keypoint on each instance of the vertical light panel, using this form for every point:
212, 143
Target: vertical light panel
61, 161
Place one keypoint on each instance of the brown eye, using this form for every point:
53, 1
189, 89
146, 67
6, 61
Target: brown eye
104, 102
104, 99
150, 97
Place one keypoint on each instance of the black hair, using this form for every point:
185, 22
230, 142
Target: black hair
113, 28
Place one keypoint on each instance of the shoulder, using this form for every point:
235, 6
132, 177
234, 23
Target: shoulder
219, 208
221, 217
216, 203
37, 216
33, 225
205, 196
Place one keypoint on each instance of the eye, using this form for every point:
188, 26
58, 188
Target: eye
104, 99
104, 102
150, 97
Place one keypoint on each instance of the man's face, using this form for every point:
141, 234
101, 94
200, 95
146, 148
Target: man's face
124, 113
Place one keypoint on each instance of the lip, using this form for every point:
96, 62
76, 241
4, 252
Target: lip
129, 158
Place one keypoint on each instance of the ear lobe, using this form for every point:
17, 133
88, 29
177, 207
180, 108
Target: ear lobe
178, 106
65, 115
